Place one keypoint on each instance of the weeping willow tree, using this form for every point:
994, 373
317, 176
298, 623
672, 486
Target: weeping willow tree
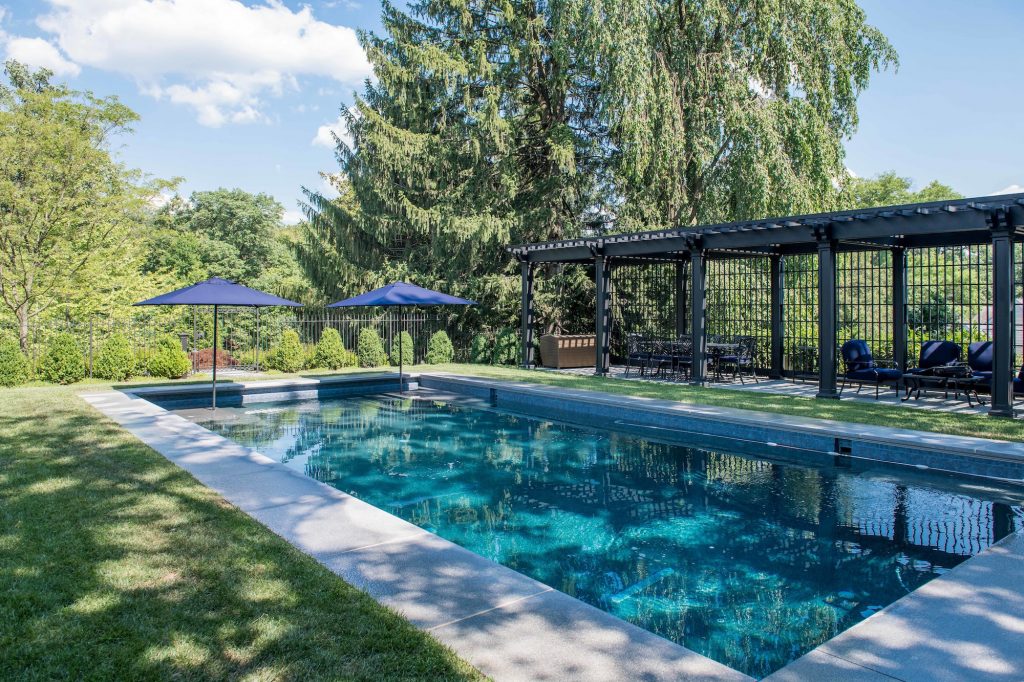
492, 123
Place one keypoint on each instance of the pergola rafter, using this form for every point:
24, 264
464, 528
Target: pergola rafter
997, 222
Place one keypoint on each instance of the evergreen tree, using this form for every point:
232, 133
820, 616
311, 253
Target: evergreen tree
494, 123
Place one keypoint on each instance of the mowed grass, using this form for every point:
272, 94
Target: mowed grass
115, 564
860, 412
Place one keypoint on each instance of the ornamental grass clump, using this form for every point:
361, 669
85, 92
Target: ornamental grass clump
13, 363
330, 352
288, 355
370, 348
168, 360
405, 347
439, 349
63, 362
115, 360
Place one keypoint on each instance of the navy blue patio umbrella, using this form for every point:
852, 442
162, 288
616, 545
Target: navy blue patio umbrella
401, 294
217, 292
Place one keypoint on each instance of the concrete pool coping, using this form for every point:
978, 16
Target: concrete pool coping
968, 623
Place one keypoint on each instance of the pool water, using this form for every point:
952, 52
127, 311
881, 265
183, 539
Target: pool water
749, 560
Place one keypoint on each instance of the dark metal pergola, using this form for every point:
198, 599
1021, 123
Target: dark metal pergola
996, 221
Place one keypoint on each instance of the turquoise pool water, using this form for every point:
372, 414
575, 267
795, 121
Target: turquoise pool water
751, 560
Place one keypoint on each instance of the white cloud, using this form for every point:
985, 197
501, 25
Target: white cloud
1010, 189
40, 53
325, 134
222, 58
292, 217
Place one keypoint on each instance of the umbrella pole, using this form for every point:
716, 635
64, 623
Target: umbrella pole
214, 357
401, 358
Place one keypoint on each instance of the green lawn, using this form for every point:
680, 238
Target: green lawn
116, 564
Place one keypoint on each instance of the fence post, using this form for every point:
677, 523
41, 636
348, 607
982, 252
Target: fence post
90, 348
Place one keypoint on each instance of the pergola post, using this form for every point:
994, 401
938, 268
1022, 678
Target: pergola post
899, 307
526, 333
776, 273
602, 327
1002, 315
680, 294
697, 323
826, 312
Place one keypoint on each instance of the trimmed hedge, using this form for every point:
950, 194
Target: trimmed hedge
13, 363
115, 360
506, 347
370, 348
331, 353
168, 360
63, 362
288, 355
480, 350
407, 349
439, 349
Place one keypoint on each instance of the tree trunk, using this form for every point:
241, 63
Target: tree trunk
22, 313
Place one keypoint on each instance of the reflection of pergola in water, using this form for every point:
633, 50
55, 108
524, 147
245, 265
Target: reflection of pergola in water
802, 285
628, 489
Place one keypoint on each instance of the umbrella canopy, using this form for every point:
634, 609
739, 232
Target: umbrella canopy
217, 291
401, 293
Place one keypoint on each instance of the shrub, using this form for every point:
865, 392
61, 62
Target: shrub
480, 350
288, 355
13, 364
406, 347
506, 347
370, 348
63, 362
168, 360
439, 349
115, 360
203, 358
330, 352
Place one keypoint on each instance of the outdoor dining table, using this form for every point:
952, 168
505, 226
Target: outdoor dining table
718, 349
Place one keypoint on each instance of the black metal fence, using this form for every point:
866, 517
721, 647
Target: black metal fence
245, 335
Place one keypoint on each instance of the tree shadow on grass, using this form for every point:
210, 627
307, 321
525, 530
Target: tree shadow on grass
115, 563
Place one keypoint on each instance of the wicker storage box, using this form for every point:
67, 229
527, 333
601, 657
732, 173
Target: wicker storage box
561, 352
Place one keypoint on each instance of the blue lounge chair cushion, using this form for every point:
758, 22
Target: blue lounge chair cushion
1018, 385
980, 357
879, 374
857, 356
938, 353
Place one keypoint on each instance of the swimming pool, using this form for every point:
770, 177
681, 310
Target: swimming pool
750, 559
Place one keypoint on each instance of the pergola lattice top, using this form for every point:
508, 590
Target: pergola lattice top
941, 223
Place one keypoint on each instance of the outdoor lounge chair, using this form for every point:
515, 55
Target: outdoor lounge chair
979, 357
936, 354
861, 368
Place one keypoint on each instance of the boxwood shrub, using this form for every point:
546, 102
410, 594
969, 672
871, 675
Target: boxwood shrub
288, 354
63, 361
406, 348
115, 360
13, 363
168, 360
370, 348
331, 353
439, 349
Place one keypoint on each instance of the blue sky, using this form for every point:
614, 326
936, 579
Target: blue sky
236, 95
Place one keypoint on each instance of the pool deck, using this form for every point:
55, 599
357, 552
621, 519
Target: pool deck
966, 624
